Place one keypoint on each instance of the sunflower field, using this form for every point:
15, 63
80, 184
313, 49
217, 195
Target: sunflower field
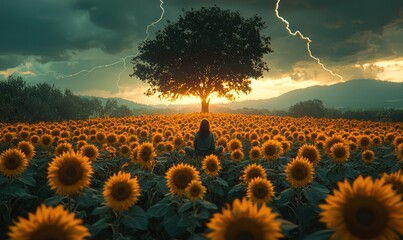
130, 178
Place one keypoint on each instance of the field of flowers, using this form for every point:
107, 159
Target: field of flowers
129, 178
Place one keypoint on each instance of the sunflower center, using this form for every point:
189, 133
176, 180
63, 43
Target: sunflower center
299, 172
368, 156
89, 152
145, 154
260, 191
270, 150
255, 154
364, 142
365, 217
121, 191
254, 173
212, 166
70, 173
244, 229
195, 191
339, 152
49, 232
13, 163
182, 179
310, 155
46, 141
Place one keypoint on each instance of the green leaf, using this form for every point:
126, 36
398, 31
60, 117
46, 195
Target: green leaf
136, 218
16, 190
288, 227
2, 179
208, 205
203, 214
321, 235
285, 197
176, 225
186, 206
55, 200
222, 182
313, 195
159, 209
239, 188
100, 225
27, 179
87, 198
101, 210
216, 188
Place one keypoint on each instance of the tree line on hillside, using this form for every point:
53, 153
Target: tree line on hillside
21, 102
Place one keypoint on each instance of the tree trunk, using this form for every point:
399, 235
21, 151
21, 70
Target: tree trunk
205, 105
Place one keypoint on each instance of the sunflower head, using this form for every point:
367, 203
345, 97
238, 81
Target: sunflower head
69, 173
195, 190
237, 155
211, 165
253, 171
329, 142
260, 190
364, 142
121, 191
179, 177
272, 150
124, 150
340, 152
13, 162
368, 156
234, 144
157, 138
366, 209
49, 223
396, 180
63, 148
244, 220
146, 155
90, 151
309, 152
255, 153
299, 172
46, 141
399, 152
27, 148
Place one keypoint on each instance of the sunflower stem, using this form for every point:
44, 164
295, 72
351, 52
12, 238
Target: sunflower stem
194, 213
69, 203
115, 227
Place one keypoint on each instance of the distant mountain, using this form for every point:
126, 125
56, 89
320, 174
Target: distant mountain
128, 103
353, 94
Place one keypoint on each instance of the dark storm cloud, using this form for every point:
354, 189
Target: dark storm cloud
53, 30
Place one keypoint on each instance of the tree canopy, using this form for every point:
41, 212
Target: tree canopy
313, 108
207, 51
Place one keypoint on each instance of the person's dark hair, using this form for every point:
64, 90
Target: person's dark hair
204, 129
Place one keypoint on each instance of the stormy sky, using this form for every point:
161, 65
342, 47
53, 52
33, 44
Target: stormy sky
86, 45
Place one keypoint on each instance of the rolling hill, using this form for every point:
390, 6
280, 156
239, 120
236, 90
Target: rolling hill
353, 94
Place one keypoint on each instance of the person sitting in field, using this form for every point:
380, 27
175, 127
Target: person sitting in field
204, 142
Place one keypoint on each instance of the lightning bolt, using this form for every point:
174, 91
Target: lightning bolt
122, 60
307, 39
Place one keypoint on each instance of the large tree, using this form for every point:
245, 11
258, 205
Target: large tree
207, 51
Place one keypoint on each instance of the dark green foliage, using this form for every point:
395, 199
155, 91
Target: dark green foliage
42, 102
207, 51
312, 108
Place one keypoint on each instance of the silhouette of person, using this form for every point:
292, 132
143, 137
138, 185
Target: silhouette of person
204, 142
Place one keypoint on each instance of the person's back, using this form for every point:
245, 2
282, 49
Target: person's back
204, 145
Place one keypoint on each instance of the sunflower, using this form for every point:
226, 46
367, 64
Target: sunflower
244, 220
179, 177
157, 138
121, 191
100, 137
211, 165
111, 139
178, 141
396, 180
368, 156
299, 172
309, 152
339, 152
124, 150
364, 210
35, 139
253, 171
69, 173
46, 141
63, 148
260, 190
195, 190
328, 144
90, 151
146, 155
49, 223
27, 148
13, 162
272, 150
399, 152
286, 145
169, 146
237, 155
234, 144
364, 142
255, 153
